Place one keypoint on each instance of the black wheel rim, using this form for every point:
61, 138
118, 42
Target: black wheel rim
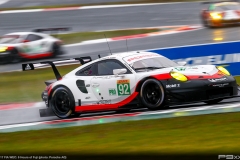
62, 102
152, 93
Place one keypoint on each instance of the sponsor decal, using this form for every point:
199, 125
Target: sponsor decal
214, 59
123, 87
217, 79
104, 102
141, 57
172, 85
220, 85
112, 91
180, 68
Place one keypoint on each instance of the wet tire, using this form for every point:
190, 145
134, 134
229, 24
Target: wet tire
56, 50
213, 101
152, 94
62, 103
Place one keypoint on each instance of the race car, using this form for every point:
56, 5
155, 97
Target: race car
220, 13
29, 45
130, 80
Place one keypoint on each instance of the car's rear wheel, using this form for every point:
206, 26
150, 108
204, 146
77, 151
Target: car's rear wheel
56, 49
152, 94
215, 101
62, 103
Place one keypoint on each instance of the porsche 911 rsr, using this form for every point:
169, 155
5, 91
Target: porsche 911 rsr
221, 14
29, 45
130, 80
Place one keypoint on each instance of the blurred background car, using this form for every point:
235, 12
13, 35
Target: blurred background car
220, 13
17, 46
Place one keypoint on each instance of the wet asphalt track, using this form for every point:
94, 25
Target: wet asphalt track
30, 3
102, 19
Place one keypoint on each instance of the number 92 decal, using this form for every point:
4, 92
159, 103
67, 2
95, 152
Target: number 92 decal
123, 87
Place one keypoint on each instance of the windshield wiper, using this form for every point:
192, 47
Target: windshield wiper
148, 68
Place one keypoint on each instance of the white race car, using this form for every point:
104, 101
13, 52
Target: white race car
29, 45
135, 79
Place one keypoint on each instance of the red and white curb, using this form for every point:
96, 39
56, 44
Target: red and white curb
83, 7
176, 29
14, 106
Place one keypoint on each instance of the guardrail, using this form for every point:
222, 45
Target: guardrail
225, 53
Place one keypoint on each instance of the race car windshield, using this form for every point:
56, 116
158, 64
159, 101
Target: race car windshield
9, 39
153, 63
227, 7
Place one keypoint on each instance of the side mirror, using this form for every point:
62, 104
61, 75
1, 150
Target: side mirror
182, 63
119, 71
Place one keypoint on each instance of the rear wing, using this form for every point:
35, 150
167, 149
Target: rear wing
51, 29
45, 64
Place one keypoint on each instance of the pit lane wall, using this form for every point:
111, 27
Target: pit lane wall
226, 53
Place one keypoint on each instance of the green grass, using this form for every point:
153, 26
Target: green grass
213, 134
83, 36
106, 3
27, 86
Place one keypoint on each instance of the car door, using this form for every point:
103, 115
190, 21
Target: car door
110, 88
83, 82
33, 44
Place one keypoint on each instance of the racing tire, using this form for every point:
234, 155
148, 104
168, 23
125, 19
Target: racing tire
215, 101
14, 57
152, 94
56, 50
62, 103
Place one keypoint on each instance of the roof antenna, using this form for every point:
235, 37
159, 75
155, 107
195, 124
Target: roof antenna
108, 44
127, 44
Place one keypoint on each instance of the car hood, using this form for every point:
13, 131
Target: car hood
196, 70
186, 70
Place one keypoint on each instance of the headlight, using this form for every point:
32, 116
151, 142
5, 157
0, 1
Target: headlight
178, 76
2, 49
223, 70
216, 15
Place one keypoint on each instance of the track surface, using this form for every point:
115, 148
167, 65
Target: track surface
105, 18
26, 115
30, 3
102, 19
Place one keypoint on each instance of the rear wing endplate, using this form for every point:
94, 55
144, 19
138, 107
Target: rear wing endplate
45, 64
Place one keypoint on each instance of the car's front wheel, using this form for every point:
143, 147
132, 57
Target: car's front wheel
62, 103
152, 94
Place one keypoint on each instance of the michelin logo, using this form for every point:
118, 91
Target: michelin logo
217, 79
214, 59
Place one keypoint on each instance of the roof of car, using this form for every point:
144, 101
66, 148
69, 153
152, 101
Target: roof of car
127, 54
